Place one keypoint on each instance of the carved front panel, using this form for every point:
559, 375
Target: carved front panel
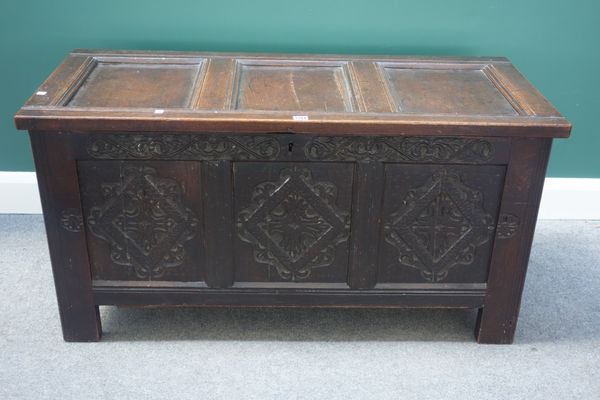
293, 222
438, 223
143, 219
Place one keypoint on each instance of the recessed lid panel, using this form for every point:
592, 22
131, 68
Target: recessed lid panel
293, 93
445, 91
293, 88
137, 85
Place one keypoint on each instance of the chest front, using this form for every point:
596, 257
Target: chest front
196, 179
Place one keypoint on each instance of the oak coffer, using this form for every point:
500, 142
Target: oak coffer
289, 180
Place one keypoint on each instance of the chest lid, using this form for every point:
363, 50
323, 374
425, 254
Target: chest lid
334, 94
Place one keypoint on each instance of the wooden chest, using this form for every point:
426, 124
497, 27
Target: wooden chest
289, 180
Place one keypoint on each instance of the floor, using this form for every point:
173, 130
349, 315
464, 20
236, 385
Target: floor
305, 354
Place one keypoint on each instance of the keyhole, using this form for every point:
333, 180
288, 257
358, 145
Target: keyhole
290, 146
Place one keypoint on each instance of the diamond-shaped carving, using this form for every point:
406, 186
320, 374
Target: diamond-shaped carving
439, 225
294, 223
144, 221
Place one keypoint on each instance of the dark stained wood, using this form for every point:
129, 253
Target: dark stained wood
218, 200
323, 297
368, 192
57, 179
217, 179
497, 320
292, 221
438, 222
141, 218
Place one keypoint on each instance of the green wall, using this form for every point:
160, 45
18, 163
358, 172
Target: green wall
554, 43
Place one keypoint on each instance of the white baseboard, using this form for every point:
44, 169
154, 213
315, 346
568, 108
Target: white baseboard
570, 198
19, 193
563, 198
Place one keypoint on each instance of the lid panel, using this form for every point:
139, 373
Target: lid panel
137, 85
293, 88
139, 91
445, 91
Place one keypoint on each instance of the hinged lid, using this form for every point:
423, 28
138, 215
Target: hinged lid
218, 92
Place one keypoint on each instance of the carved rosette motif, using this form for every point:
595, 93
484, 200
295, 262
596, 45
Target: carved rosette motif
294, 224
439, 225
199, 147
144, 221
71, 220
508, 225
397, 148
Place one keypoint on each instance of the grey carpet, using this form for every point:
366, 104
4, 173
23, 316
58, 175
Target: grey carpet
306, 354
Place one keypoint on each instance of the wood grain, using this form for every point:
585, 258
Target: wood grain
221, 179
263, 92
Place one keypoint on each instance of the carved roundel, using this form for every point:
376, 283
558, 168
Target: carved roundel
294, 224
439, 225
508, 225
144, 221
71, 220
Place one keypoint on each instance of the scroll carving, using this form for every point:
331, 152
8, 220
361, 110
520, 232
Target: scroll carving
182, 146
145, 222
439, 225
293, 224
397, 148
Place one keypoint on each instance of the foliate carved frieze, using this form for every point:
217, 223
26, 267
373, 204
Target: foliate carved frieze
268, 148
144, 220
439, 225
399, 148
294, 224
182, 146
